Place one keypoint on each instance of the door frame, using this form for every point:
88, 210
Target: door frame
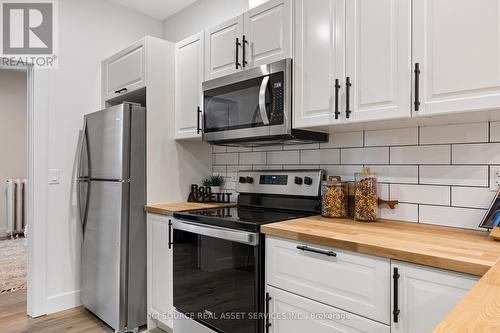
38, 115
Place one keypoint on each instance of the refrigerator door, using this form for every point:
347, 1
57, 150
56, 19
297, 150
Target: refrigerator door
106, 151
104, 252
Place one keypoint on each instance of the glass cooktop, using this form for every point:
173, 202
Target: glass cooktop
240, 218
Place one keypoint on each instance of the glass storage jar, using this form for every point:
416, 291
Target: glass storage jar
334, 198
365, 196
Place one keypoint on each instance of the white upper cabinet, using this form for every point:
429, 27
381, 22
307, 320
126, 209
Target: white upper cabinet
188, 93
222, 47
378, 59
125, 71
457, 46
319, 57
267, 33
424, 296
259, 36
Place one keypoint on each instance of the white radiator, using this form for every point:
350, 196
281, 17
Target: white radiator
16, 192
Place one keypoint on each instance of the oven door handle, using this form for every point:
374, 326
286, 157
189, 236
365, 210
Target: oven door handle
262, 100
244, 237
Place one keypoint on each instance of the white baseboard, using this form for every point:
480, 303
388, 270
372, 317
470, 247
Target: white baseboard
63, 301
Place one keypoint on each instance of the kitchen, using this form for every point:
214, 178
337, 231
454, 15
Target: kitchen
284, 100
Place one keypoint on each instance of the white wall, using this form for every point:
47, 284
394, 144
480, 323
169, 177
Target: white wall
89, 31
199, 16
13, 133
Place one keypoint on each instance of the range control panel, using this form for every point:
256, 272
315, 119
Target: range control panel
282, 182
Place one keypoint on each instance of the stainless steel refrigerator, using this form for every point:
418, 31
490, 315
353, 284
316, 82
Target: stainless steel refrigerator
111, 190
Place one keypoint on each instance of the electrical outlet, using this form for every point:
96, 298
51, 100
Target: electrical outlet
495, 179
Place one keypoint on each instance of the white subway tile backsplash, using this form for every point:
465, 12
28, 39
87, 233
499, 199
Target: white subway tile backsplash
462, 133
320, 156
454, 175
346, 172
341, 140
482, 153
283, 157
441, 174
392, 137
421, 155
396, 173
374, 155
472, 197
226, 158
253, 158
422, 194
402, 212
451, 216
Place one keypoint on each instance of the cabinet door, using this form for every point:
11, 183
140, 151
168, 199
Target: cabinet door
349, 281
378, 59
457, 46
125, 71
268, 30
318, 61
188, 93
221, 49
425, 295
160, 287
290, 313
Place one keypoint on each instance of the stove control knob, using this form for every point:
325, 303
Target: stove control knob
243, 180
308, 180
298, 180
249, 180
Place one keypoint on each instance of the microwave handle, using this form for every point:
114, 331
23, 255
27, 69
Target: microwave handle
262, 100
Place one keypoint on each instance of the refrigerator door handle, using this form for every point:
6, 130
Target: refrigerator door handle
81, 145
82, 202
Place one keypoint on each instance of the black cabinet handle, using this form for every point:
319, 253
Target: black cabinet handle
121, 91
238, 44
268, 324
170, 243
348, 97
320, 251
417, 86
244, 42
198, 114
395, 310
337, 88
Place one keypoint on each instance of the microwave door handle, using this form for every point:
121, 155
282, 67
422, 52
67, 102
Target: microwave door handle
262, 100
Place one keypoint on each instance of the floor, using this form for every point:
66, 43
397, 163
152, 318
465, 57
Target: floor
13, 318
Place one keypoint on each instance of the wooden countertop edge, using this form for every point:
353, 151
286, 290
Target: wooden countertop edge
381, 251
169, 208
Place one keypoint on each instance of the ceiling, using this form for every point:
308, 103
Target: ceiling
159, 9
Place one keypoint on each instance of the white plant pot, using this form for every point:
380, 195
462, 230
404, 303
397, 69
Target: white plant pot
215, 189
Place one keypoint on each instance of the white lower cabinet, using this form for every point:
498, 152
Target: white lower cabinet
160, 286
289, 313
424, 295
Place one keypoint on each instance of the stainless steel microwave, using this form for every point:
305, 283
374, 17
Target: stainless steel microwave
253, 107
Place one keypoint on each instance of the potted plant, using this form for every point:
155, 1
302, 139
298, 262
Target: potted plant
214, 182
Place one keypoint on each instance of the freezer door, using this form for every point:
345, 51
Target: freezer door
104, 252
107, 147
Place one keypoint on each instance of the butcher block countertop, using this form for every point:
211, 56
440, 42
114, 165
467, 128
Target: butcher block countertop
466, 251
170, 208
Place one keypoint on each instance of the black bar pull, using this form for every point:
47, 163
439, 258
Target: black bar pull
268, 324
395, 310
337, 88
238, 44
170, 243
121, 91
348, 97
244, 42
320, 251
417, 86
198, 127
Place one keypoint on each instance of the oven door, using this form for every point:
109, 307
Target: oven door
218, 277
247, 105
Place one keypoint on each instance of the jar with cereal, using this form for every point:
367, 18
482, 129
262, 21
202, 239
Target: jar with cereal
365, 196
334, 198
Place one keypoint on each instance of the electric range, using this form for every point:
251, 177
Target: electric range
218, 253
